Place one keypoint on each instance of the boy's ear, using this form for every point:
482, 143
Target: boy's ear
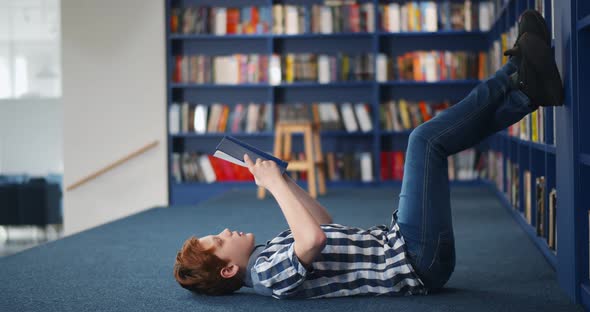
230, 270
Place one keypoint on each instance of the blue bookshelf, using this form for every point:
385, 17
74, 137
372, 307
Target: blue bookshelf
371, 91
563, 161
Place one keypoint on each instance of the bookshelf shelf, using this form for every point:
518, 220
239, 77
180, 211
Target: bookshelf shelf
538, 146
323, 36
549, 254
585, 159
221, 134
348, 84
426, 84
218, 37
217, 86
583, 23
442, 33
391, 132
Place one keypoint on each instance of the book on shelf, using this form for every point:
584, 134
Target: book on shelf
328, 18
432, 66
432, 16
199, 167
552, 241
219, 118
223, 69
351, 117
392, 165
401, 114
465, 165
216, 20
527, 196
324, 68
531, 127
540, 205
233, 150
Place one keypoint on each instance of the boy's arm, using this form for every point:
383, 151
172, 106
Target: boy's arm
318, 211
309, 238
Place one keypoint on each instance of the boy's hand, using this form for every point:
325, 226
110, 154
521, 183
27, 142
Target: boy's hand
266, 172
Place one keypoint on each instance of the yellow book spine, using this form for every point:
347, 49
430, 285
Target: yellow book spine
289, 70
403, 108
534, 128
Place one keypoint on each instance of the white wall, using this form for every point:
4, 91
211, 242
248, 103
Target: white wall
31, 139
114, 95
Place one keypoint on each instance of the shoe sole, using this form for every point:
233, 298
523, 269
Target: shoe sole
539, 55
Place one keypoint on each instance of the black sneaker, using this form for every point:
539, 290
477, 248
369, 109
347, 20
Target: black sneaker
531, 21
537, 75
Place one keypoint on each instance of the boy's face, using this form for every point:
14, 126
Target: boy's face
232, 246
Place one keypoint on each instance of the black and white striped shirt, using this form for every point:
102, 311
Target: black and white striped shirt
355, 261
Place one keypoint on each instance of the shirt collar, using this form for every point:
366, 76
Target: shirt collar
253, 256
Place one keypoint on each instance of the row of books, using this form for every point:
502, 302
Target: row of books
333, 17
531, 127
227, 69
200, 167
433, 16
308, 67
427, 66
217, 117
352, 117
221, 20
467, 164
399, 115
534, 193
341, 166
433, 66
337, 17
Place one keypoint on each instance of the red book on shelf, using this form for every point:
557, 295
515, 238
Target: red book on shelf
397, 165
424, 110
177, 68
385, 166
232, 20
355, 22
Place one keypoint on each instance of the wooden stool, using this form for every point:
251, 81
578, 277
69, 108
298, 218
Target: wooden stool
313, 153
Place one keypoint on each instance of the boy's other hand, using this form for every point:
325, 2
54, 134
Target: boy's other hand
266, 172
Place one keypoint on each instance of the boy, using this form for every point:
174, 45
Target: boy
316, 258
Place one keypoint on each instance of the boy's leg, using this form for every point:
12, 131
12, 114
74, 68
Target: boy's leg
424, 212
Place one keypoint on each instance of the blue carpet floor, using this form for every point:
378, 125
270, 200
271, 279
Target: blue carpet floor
126, 265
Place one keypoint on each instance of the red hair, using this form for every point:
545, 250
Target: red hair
197, 269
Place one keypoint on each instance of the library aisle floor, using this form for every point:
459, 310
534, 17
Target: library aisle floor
126, 265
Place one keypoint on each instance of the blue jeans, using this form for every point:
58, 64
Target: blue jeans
424, 211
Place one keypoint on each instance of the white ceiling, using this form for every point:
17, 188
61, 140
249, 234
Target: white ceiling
29, 20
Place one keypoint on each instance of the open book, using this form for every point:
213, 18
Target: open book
233, 150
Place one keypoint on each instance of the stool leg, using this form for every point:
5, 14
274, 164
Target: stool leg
287, 146
310, 162
319, 157
277, 153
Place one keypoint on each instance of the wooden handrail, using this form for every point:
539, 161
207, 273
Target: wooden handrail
113, 165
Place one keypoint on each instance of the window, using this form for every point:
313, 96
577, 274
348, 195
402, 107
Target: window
30, 62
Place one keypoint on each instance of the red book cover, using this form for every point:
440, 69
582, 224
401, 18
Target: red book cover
355, 22
215, 163
443, 66
228, 171
177, 68
385, 166
255, 19
425, 115
232, 20
398, 165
